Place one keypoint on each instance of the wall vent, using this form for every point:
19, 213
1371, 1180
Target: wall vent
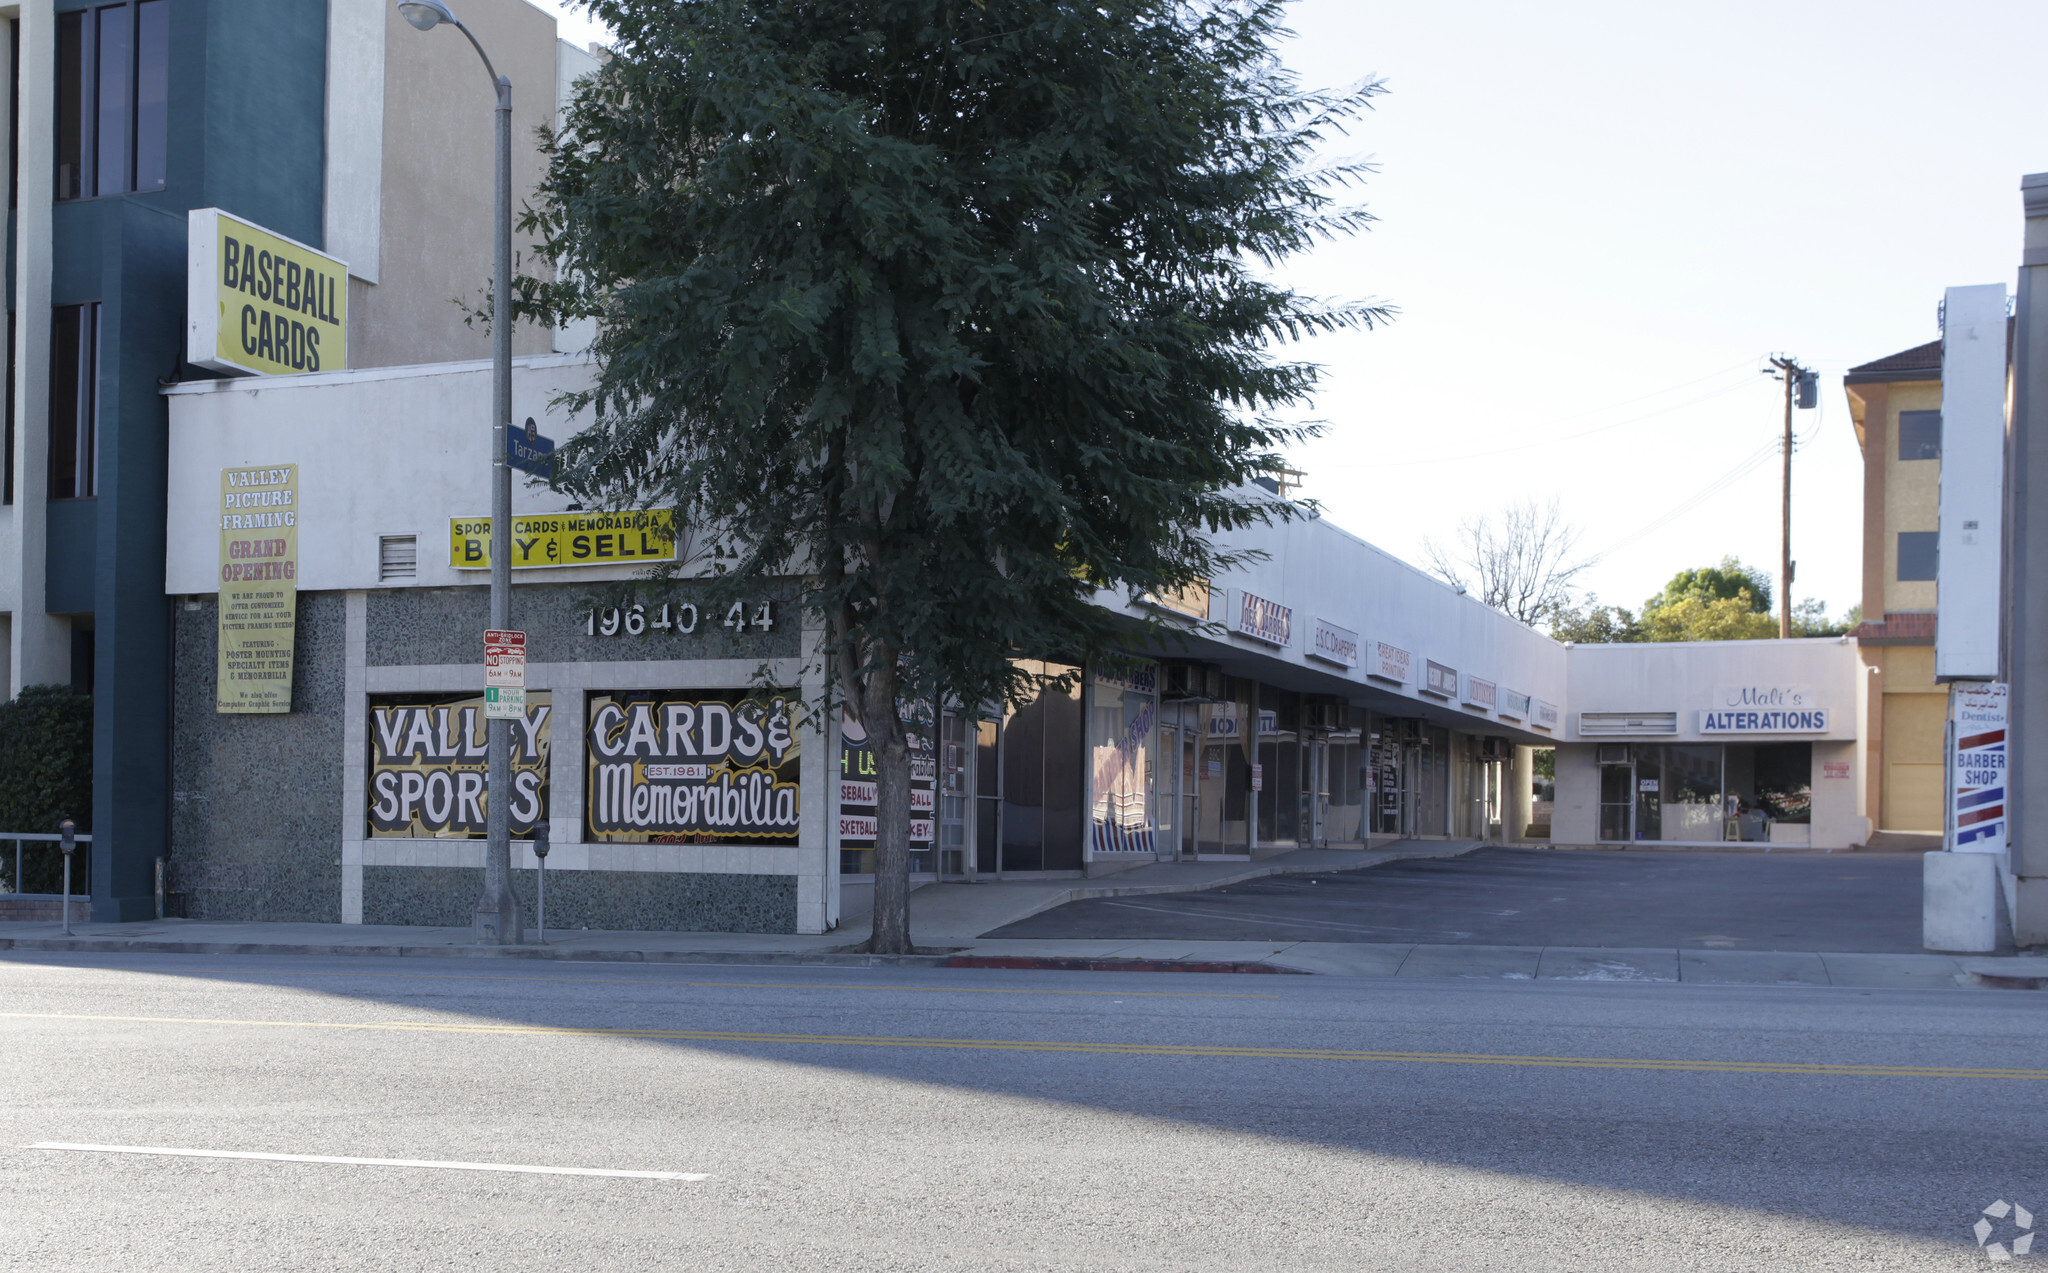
398, 557
1610, 724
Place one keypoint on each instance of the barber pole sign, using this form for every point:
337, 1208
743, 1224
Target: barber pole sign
1977, 768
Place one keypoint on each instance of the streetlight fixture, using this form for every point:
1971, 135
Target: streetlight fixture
497, 919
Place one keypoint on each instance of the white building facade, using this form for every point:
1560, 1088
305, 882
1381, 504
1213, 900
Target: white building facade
1325, 695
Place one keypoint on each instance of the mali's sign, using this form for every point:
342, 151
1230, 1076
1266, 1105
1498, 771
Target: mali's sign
568, 539
259, 588
257, 303
692, 767
430, 767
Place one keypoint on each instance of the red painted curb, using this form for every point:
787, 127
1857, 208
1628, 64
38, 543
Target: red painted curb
1076, 963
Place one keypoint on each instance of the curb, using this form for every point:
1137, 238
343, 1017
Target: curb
1081, 963
109, 946
2004, 981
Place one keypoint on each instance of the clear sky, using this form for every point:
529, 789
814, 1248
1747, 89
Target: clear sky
1597, 219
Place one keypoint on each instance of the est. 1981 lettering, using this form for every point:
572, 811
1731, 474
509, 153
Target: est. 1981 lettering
674, 619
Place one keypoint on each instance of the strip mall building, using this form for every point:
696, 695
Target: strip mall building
1347, 699
273, 582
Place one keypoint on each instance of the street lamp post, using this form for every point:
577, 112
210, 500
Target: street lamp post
497, 920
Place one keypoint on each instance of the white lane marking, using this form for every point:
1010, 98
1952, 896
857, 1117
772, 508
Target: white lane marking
372, 1162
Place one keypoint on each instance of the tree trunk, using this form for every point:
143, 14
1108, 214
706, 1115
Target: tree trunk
884, 724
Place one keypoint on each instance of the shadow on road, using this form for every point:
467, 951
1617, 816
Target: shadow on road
1879, 1153
1864, 902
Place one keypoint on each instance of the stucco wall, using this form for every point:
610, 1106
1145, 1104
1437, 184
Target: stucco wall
256, 797
1912, 498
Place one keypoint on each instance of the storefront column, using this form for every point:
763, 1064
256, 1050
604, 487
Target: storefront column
355, 746
1518, 808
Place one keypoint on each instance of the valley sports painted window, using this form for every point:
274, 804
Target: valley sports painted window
113, 99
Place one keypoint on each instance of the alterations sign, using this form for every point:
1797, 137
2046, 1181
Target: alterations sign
259, 589
429, 765
568, 539
692, 767
1977, 769
259, 304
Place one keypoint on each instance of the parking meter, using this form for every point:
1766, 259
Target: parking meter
67, 840
540, 852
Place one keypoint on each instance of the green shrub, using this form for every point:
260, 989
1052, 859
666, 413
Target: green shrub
46, 759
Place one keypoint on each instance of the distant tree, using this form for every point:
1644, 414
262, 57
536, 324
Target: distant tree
1724, 582
1521, 563
1701, 616
949, 315
1594, 624
1810, 619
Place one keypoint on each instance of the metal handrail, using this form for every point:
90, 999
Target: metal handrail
40, 837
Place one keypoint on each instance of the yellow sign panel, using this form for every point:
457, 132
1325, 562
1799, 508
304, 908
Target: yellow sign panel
568, 539
259, 588
259, 302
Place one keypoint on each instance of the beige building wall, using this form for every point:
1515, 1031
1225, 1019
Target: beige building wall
439, 169
1912, 501
1915, 730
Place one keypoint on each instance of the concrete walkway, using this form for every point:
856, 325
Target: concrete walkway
951, 918
943, 917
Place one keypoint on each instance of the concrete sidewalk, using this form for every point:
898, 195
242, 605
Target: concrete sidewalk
950, 919
943, 917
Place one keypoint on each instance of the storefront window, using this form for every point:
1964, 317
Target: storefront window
1123, 736
1041, 757
1768, 785
1279, 765
1706, 793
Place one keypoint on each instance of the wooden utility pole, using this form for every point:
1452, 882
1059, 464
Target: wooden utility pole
1795, 377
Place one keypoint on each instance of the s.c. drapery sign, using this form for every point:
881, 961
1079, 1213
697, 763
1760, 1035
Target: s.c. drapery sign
258, 303
428, 760
692, 767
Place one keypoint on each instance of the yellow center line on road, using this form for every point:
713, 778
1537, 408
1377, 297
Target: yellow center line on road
669, 981
1100, 1049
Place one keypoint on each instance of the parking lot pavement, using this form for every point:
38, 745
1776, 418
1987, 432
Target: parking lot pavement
1534, 898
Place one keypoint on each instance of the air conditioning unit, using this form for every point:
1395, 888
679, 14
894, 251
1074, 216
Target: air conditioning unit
1191, 682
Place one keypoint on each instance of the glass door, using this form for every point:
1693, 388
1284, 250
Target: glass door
1617, 794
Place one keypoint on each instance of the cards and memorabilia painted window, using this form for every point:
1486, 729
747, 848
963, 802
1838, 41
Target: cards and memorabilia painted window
691, 767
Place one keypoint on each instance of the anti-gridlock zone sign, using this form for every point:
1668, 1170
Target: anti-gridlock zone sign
504, 674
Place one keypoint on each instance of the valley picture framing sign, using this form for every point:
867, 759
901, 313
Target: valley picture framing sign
258, 611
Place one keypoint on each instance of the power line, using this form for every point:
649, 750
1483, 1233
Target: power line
1569, 437
1742, 469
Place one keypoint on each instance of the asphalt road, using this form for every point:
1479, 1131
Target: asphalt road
1541, 897
974, 1120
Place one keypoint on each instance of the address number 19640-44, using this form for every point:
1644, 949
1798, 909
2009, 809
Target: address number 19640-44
678, 620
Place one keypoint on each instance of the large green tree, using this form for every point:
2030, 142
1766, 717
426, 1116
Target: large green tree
950, 310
